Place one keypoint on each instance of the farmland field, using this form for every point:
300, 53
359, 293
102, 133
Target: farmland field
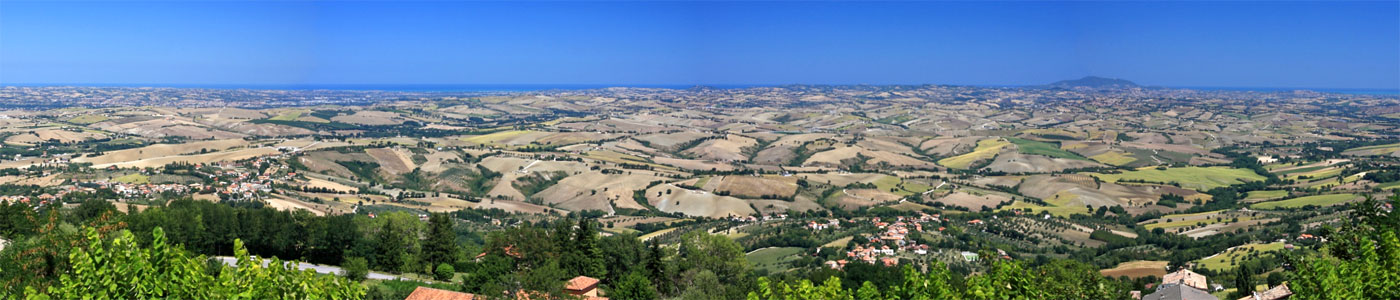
1318, 200
773, 260
1042, 148
1114, 158
1266, 195
986, 149
1137, 268
1198, 178
1224, 260
1388, 149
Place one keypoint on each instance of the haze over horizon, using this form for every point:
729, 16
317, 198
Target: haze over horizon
1328, 45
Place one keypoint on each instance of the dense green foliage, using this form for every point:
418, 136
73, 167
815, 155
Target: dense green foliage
120, 269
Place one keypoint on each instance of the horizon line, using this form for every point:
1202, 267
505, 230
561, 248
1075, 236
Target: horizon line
313, 86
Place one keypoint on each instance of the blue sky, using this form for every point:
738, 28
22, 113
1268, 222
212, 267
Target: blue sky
1232, 44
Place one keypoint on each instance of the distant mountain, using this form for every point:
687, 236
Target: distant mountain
1094, 82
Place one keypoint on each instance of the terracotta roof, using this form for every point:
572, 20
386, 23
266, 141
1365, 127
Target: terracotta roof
1186, 277
581, 283
427, 293
1278, 292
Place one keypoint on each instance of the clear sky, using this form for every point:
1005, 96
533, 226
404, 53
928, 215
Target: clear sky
1233, 44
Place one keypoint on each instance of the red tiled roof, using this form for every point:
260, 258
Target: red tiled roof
581, 283
427, 293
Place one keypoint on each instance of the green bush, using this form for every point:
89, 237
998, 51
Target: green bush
443, 272
356, 268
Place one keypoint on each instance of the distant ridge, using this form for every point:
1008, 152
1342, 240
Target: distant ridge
1094, 82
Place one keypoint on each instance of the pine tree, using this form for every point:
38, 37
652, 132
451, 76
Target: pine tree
390, 250
441, 246
586, 244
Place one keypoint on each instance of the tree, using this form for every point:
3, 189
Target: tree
704, 285
581, 254
1244, 280
356, 268
633, 286
120, 269
390, 250
444, 272
868, 291
441, 246
621, 254
1275, 279
657, 268
719, 254
1364, 261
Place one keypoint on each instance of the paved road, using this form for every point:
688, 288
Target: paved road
323, 269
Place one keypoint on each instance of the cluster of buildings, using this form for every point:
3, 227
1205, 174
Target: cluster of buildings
883, 246
1186, 285
581, 287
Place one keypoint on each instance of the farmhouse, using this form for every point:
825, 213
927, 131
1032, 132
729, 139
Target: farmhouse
1187, 278
584, 286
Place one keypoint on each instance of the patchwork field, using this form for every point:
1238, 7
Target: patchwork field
159, 151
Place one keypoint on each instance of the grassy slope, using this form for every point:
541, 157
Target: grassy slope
1319, 200
1043, 148
1198, 178
986, 149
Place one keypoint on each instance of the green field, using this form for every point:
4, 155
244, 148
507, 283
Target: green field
1043, 148
1266, 195
87, 119
1319, 200
1184, 223
288, 116
1198, 178
494, 137
1389, 185
1316, 174
909, 188
1301, 170
1373, 150
133, 179
1222, 261
1064, 205
986, 149
1114, 158
773, 259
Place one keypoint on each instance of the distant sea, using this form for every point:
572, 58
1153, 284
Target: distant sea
1382, 92
541, 87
